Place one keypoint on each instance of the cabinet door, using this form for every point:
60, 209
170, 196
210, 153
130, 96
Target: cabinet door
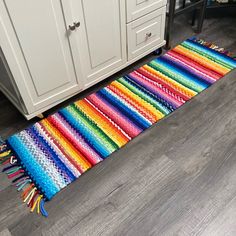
99, 43
41, 32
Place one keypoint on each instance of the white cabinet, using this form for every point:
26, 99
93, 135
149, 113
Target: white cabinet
53, 49
100, 41
40, 31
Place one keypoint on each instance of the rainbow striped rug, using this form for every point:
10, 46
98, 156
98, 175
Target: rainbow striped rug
48, 156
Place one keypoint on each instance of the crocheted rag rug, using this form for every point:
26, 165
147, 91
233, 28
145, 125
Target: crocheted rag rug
46, 157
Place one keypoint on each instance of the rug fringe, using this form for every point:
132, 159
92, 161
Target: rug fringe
213, 47
31, 195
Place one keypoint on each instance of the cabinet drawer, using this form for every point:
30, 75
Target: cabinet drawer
139, 8
146, 32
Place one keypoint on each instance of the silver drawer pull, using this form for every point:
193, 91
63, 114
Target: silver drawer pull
148, 35
77, 24
74, 26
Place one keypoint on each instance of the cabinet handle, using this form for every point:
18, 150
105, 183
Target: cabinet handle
74, 26
149, 34
77, 24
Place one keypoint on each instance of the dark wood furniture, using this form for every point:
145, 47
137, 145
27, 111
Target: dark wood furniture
193, 6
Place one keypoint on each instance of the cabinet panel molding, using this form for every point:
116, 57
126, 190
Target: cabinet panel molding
101, 38
45, 48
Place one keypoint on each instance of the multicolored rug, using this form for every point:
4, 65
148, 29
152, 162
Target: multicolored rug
48, 156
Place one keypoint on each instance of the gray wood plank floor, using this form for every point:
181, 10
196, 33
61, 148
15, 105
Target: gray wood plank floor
177, 178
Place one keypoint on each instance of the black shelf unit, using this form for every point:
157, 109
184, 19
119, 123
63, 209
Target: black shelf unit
215, 4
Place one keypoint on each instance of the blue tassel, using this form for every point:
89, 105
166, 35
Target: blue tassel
22, 181
42, 209
23, 184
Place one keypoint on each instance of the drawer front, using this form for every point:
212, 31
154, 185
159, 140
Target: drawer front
146, 33
139, 8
